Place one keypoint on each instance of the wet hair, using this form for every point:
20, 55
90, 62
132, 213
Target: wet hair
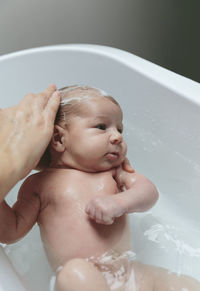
71, 99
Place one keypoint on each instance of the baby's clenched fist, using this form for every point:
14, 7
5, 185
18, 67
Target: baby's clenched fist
104, 209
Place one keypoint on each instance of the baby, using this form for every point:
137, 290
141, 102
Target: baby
81, 199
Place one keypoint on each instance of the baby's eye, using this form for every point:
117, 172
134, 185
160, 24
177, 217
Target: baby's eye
120, 129
101, 126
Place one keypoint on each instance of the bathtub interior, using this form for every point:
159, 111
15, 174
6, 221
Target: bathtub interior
162, 132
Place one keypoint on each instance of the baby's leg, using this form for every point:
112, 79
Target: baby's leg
77, 274
167, 281
157, 279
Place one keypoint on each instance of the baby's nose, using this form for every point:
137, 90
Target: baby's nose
116, 137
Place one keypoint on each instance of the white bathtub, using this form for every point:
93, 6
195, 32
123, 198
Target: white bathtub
162, 129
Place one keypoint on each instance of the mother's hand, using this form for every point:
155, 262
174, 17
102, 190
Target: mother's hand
25, 132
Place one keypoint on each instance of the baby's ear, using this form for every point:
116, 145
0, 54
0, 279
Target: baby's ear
57, 140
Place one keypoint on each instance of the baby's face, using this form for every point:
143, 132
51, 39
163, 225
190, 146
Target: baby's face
94, 139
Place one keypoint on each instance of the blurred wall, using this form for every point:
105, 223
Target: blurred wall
165, 32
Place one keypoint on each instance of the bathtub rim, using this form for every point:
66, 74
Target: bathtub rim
187, 88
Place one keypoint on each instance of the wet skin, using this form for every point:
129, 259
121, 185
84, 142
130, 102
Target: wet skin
78, 201
66, 229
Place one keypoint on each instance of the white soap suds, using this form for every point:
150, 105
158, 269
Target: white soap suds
78, 99
82, 98
158, 233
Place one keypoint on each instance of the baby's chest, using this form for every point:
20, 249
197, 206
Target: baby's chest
79, 189
103, 183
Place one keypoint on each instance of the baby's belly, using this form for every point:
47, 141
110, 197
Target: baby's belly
76, 236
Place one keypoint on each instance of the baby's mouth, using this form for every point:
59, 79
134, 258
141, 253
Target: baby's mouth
112, 155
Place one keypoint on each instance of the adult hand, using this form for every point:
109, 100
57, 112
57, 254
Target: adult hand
25, 132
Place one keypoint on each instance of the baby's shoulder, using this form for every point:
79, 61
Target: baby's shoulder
29, 184
33, 178
56, 178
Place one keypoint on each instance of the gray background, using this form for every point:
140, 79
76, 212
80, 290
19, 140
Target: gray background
165, 32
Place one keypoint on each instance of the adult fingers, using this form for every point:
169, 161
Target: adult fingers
43, 97
53, 105
47, 93
49, 90
40, 100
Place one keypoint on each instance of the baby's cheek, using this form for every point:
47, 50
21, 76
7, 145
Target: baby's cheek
123, 155
125, 149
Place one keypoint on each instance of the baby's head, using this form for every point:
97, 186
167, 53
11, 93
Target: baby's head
87, 132
72, 97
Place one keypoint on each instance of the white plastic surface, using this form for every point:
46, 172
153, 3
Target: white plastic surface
162, 129
9, 280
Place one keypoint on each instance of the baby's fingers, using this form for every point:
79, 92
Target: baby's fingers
97, 215
107, 220
90, 210
127, 166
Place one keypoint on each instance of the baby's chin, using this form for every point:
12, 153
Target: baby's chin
93, 166
104, 167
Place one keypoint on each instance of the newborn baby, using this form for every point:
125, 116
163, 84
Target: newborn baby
80, 200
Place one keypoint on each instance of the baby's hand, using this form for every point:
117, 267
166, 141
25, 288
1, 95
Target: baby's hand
104, 209
121, 173
127, 166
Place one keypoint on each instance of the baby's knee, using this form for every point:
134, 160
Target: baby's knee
73, 269
78, 274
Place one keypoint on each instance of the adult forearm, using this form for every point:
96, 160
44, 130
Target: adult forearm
9, 175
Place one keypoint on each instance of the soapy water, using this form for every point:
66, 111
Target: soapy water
156, 241
156, 232
117, 269
167, 242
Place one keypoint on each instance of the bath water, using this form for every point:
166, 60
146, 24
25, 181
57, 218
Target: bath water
158, 241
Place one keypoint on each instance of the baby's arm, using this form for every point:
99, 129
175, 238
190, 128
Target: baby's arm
15, 222
138, 195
